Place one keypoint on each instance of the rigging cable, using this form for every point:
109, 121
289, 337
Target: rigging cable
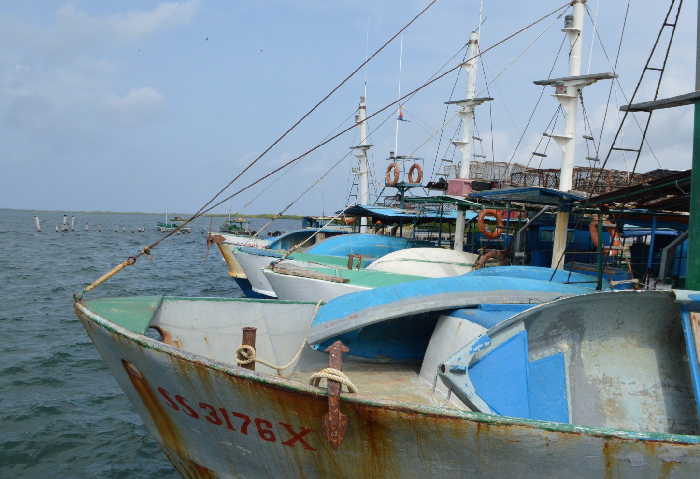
612, 84
622, 91
488, 92
534, 110
314, 108
208, 206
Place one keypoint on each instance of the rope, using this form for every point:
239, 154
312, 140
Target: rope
332, 374
381, 110
321, 101
532, 113
246, 354
209, 206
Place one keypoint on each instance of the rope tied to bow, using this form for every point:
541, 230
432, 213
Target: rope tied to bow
246, 354
332, 374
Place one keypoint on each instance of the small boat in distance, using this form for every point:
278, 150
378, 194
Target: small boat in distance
169, 225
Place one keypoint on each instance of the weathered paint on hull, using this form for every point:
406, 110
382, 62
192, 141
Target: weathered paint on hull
215, 420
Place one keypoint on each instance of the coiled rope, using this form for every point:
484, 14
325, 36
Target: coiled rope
332, 374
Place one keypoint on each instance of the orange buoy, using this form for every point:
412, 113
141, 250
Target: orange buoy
481, 224
415, 167
395, 180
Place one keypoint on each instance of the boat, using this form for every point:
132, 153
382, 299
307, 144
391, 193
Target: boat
332, 253
212, 417
245, 256
237, 226
172, 224
484, 375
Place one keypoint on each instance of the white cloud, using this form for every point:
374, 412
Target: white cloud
137, 99
130, 25
64, 78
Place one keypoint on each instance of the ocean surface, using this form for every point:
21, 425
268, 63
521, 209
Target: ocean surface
62, 414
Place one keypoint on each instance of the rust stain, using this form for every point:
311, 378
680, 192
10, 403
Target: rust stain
610, 450
165, 426
190, 469
666, 469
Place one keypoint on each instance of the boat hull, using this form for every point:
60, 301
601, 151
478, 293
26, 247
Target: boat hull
217, 420
297, 288
253, 265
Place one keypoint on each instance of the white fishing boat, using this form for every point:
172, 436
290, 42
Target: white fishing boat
214, 418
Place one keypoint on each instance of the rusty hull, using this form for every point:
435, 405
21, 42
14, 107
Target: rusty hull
218, 420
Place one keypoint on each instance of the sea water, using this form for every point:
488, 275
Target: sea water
62, 415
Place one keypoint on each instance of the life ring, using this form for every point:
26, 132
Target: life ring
349, 220
395, 167
481, 224
415, 167
615, 247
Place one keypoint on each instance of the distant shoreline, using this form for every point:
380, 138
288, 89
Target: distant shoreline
173, 213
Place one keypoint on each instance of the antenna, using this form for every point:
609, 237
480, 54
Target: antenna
366, 54
398, 112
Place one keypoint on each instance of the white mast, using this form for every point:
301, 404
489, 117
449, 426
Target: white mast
465, 144
568, 98
363, 164
568, 91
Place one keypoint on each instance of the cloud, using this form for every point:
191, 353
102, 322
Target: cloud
141, 99
68, 76
130, 25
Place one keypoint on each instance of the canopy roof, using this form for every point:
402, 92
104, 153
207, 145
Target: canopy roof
532, 194
669, 193
389, 214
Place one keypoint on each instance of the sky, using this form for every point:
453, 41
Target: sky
153, 105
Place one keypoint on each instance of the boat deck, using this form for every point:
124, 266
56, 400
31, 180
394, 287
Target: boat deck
390, 382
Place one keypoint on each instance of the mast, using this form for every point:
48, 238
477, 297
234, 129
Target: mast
465, 144
693, 275
568, 92
363, 164
573, 26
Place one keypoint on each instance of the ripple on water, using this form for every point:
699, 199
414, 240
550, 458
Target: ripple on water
62, 414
